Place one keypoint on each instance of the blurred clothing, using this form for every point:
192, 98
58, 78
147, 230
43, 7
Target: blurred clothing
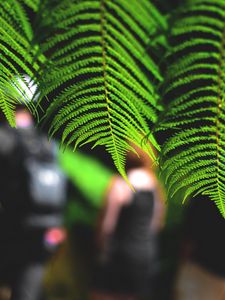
32, 195
127, 236
33, 188
129, 262
23, 251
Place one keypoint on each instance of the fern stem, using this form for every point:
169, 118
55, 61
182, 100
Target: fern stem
104, 65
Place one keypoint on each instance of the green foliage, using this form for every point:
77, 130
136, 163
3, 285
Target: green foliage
18, 53
113, 72
193, 156
105, 77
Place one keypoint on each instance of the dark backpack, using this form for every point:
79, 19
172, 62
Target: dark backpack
33, 187
45, 181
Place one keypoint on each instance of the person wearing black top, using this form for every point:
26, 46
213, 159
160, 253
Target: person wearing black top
32, 197
127, 234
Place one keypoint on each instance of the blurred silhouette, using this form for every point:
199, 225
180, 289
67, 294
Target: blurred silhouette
127, 233
32, 194
202, 268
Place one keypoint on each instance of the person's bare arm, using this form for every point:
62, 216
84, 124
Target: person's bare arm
117, 195
159, 211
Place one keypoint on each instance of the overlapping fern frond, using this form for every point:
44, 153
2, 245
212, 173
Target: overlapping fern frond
193, 156
105, 77
17, 53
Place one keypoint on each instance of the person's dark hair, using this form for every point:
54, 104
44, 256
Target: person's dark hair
139, 159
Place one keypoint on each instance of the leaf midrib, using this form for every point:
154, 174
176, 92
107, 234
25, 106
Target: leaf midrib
104, 65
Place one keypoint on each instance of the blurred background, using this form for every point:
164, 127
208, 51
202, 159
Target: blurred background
72, 229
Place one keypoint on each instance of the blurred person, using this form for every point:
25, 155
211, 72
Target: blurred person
32, 197
127, 233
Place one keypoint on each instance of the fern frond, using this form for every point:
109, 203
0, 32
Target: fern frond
105, 77
193, 156
18, 54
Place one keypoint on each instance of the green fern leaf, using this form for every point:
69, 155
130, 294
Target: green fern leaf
105, 77
19, 54
33, 4
193, 155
